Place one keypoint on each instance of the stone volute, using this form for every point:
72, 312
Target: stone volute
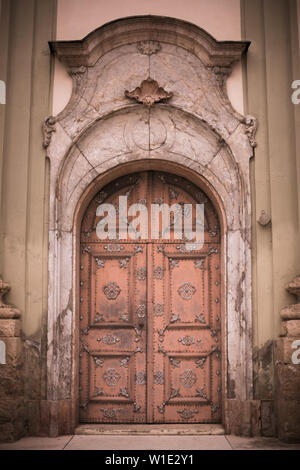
7, 311
292, 312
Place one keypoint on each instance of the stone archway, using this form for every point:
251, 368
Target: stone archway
190, 127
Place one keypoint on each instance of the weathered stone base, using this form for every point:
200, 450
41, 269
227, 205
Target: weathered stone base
288, 386
11, 381
249, 417
287, 370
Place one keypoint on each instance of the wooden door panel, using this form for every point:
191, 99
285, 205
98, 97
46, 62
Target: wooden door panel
113, 342
187, 349
150, 318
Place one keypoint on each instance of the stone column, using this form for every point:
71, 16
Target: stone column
287, 369
11, 380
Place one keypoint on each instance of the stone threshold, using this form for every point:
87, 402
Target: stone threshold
150, 429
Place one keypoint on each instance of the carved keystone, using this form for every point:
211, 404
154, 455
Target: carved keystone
148, 93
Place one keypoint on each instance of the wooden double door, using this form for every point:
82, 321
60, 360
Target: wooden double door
149, 313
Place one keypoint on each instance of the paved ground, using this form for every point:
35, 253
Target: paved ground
110, 442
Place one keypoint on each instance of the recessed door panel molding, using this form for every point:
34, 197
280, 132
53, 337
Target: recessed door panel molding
150, 313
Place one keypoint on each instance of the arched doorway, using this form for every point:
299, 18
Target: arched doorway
150, 309
194, 133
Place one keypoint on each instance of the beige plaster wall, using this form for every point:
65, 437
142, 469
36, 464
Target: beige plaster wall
77, 18
25, 29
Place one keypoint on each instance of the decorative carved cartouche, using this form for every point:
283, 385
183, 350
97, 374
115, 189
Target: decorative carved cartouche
148, 93
148, 47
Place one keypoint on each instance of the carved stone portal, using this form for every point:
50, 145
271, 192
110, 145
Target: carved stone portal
197, 134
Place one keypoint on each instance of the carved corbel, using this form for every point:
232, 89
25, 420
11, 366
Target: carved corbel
221, 74
7, 311
48, 129
251, 128
77, 74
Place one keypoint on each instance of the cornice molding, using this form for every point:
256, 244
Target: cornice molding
87, 51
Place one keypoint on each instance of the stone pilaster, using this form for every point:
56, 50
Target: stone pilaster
11, 381
287, 369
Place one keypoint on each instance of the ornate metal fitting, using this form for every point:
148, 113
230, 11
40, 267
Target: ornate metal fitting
111, 290
124, 362
114, 247
99, 317
110, 412
86, 249
124, 317
140, 377
175, 392
186, 413
159, 377
201, 393
187, 340
212, 251
174, 263
158, 310
111, 377
85, 331
138, 249
124, 392
174, 319
141, 311
136, 407
174, 362
159, 272
101, 196
200, 362
141, 274
213, 232
186, 291
124, 262
110, 339
173, 194
214, 408
98, 362
84, 405
199, 263
148, 93
138, 333
99, 392
188, 378
200, 318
